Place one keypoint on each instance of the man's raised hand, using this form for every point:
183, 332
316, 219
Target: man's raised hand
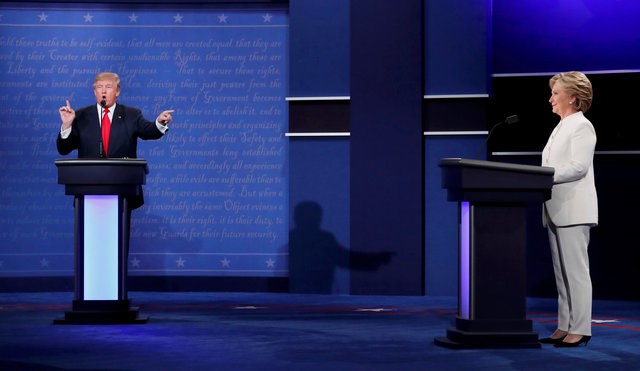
67, 114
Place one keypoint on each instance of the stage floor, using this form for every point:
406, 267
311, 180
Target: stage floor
261, 331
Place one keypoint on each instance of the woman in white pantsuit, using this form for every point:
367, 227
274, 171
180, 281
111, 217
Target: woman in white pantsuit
573, 207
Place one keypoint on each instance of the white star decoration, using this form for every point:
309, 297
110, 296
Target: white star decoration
133, 18
44, 262
180, 262
270, 263
226, 263
135, 262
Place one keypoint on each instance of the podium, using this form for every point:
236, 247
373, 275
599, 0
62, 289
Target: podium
492, 199
102, 190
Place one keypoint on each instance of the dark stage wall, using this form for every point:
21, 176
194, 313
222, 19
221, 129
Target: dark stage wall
482, 62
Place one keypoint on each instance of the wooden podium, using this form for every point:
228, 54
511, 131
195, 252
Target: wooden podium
492, 199
102, 190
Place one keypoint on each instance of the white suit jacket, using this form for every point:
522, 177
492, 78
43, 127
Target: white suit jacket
570, 152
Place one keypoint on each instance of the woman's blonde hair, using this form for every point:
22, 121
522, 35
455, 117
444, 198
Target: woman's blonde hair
577, 85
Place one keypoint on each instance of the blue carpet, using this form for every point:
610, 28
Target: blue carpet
246, 331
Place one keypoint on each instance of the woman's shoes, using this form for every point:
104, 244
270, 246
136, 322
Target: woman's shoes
551, 340
554, 340
583, 340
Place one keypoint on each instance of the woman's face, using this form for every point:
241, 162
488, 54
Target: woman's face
561, 101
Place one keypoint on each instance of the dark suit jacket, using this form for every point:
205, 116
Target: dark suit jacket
127, 126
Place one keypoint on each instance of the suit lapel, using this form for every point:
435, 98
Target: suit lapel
118, 137
94, 116
118, 115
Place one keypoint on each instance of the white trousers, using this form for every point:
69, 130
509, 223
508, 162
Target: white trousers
571, 266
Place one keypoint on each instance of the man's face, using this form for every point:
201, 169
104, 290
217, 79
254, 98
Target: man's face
107, 90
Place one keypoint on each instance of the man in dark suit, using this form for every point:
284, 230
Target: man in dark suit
81, 129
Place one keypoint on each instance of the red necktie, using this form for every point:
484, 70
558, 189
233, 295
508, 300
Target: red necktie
106, 129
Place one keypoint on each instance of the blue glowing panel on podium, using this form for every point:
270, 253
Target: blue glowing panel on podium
101, 247
465, 260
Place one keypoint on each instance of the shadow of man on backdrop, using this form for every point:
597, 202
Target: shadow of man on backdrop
314, 254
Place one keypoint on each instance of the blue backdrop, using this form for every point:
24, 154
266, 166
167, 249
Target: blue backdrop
563, 35
216, 196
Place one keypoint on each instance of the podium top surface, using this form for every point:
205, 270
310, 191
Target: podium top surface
499, 166
120, 162
101, 176
496, 182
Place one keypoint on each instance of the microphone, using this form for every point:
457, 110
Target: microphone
103, 103
509, 121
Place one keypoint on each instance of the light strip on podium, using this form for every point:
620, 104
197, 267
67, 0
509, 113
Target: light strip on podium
465, 250
100, 247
